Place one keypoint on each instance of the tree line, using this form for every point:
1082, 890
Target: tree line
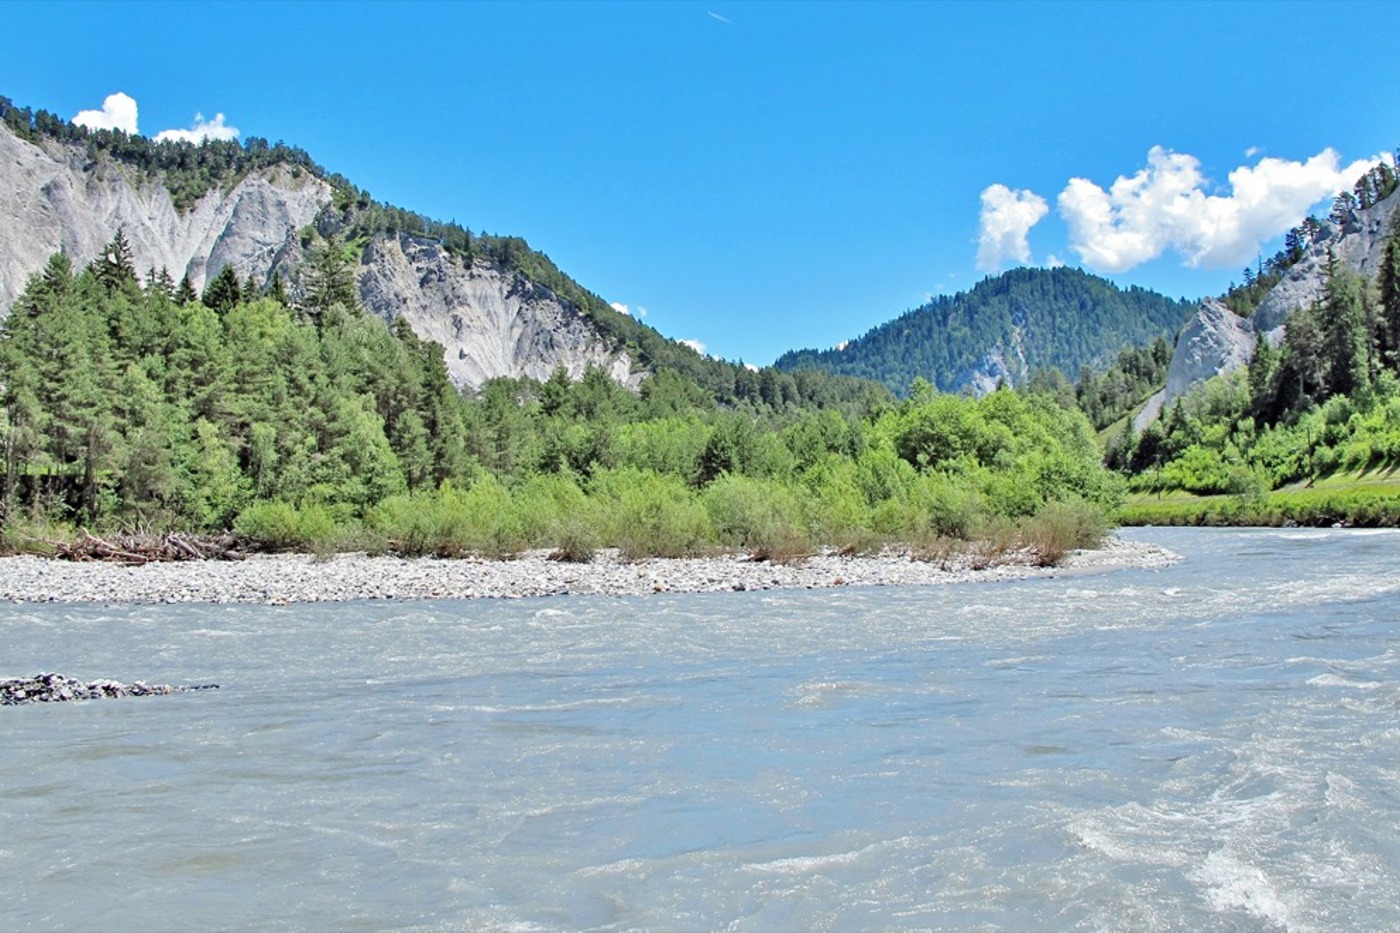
130, 402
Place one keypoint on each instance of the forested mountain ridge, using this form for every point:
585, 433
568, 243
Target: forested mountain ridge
498, 308
1004, 329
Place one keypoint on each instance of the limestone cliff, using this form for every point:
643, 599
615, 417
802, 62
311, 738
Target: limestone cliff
1216, 341
1358, 243
52, 198
490, 321
1213, 342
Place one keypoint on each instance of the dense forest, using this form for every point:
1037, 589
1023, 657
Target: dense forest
130, 403
1059, 318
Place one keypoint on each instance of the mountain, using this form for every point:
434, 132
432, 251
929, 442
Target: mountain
1216, 340
1003, 329
497, 307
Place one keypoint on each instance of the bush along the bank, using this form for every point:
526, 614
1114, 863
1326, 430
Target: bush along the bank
131, 405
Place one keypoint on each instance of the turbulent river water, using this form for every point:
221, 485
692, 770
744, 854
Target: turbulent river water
1211, 746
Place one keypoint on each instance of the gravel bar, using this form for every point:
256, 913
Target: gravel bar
283, 579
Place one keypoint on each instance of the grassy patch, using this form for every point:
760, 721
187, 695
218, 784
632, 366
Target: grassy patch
1363, 500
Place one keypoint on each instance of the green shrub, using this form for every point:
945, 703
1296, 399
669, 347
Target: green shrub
278, 526
1062, 527
650, 515
763, 517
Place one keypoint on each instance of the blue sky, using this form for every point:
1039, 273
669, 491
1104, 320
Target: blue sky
764, 176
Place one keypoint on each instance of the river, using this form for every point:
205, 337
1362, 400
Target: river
1211, 746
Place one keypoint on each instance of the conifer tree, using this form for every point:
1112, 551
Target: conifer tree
1345, 334
184, 292
1389, 285
224, 291
115, 268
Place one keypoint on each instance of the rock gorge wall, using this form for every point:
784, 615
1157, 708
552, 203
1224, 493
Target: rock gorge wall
1217, 341
490, 321
52, 198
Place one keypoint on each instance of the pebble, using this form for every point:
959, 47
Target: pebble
283, 579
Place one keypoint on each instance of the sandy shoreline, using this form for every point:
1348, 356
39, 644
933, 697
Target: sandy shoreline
282, 579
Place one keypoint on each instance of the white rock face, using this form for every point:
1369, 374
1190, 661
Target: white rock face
491, 321
1216, 341
51, 198
1360, 244
1213, 342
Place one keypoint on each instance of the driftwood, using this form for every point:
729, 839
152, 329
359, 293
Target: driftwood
136, 549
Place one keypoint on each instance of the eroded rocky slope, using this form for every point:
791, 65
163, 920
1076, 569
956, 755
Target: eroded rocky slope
1216, 341
491, 321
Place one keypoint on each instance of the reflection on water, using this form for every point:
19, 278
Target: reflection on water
1207, 746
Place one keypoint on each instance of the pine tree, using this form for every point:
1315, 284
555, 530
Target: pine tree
115, 268
276, 291
1389, 284
224, 291
1345, 334
184, 292
331, 278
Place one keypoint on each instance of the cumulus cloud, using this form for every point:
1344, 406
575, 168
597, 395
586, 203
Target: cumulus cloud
695, 345
118, 113
1007, 217
1165, 206
639, 312
203, 129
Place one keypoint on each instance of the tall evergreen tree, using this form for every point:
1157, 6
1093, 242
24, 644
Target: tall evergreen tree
330, 278
1388, 282
1346, 342
184, 292
115, 268
224, 291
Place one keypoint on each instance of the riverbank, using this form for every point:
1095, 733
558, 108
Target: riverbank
282, 579
1342, 501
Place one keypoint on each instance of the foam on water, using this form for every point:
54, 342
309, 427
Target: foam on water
1206, 746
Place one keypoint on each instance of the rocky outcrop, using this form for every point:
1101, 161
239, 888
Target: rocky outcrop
1358, 243
58, 688
491, 321
52, 198
1213, 342
1216, 341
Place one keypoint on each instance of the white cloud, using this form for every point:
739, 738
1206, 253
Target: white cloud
638, 312
1252, 151
751, 367
203, 129
1165, 207
1007, 217
118, 113
695, 345
1053, 262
